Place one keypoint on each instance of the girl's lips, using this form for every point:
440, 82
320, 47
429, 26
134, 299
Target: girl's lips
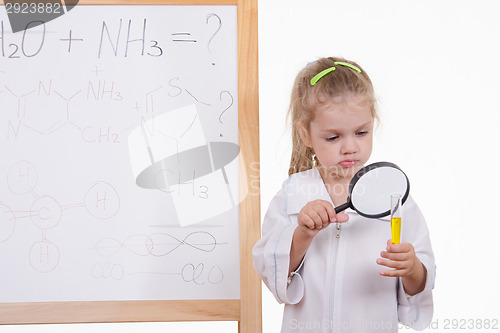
348, 163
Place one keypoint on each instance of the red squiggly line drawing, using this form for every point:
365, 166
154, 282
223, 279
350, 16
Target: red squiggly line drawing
158, 244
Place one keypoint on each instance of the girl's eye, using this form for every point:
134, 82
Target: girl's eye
332, 138
362, 133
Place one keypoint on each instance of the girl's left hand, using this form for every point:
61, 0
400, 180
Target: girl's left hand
402, 258
406, 265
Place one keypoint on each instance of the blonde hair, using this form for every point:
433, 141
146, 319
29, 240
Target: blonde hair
306, 98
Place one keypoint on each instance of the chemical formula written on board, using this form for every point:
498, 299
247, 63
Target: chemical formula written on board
117, 38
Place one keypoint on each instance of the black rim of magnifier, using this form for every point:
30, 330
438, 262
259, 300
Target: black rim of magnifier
367, 169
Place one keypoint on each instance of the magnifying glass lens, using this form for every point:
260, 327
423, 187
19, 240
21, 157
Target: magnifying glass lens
371, 193
371, 188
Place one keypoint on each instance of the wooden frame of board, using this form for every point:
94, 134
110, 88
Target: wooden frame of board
248, 309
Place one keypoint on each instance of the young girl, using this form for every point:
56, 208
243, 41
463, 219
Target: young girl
338, 272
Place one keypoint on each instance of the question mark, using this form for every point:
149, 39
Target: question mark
232, 102
216, 31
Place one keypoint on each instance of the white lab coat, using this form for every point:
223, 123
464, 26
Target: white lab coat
337, 287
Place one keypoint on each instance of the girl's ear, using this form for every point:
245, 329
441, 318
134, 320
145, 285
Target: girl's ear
304, 135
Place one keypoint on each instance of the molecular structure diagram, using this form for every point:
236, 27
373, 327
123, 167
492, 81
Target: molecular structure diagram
46, 109
101, 201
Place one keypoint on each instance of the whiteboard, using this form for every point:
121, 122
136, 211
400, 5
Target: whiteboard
119, 168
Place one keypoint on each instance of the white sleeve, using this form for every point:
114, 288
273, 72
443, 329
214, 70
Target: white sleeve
271, 254
416, 311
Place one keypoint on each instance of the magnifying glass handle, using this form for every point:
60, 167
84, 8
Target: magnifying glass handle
341, 208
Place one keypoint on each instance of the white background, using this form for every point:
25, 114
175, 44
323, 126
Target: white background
435, 68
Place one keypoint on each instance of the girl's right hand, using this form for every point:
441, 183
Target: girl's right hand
317, 215
313, 217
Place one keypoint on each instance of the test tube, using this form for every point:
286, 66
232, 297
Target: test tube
396, 215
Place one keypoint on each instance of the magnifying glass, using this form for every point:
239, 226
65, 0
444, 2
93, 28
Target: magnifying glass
371, 188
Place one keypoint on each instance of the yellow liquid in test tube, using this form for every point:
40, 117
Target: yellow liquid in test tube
396, 230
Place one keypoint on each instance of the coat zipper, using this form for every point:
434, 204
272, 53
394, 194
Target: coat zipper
334, 273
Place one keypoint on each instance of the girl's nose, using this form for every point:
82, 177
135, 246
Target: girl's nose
349, 146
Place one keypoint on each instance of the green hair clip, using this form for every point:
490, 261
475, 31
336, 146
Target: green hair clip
318, 76
346, 64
